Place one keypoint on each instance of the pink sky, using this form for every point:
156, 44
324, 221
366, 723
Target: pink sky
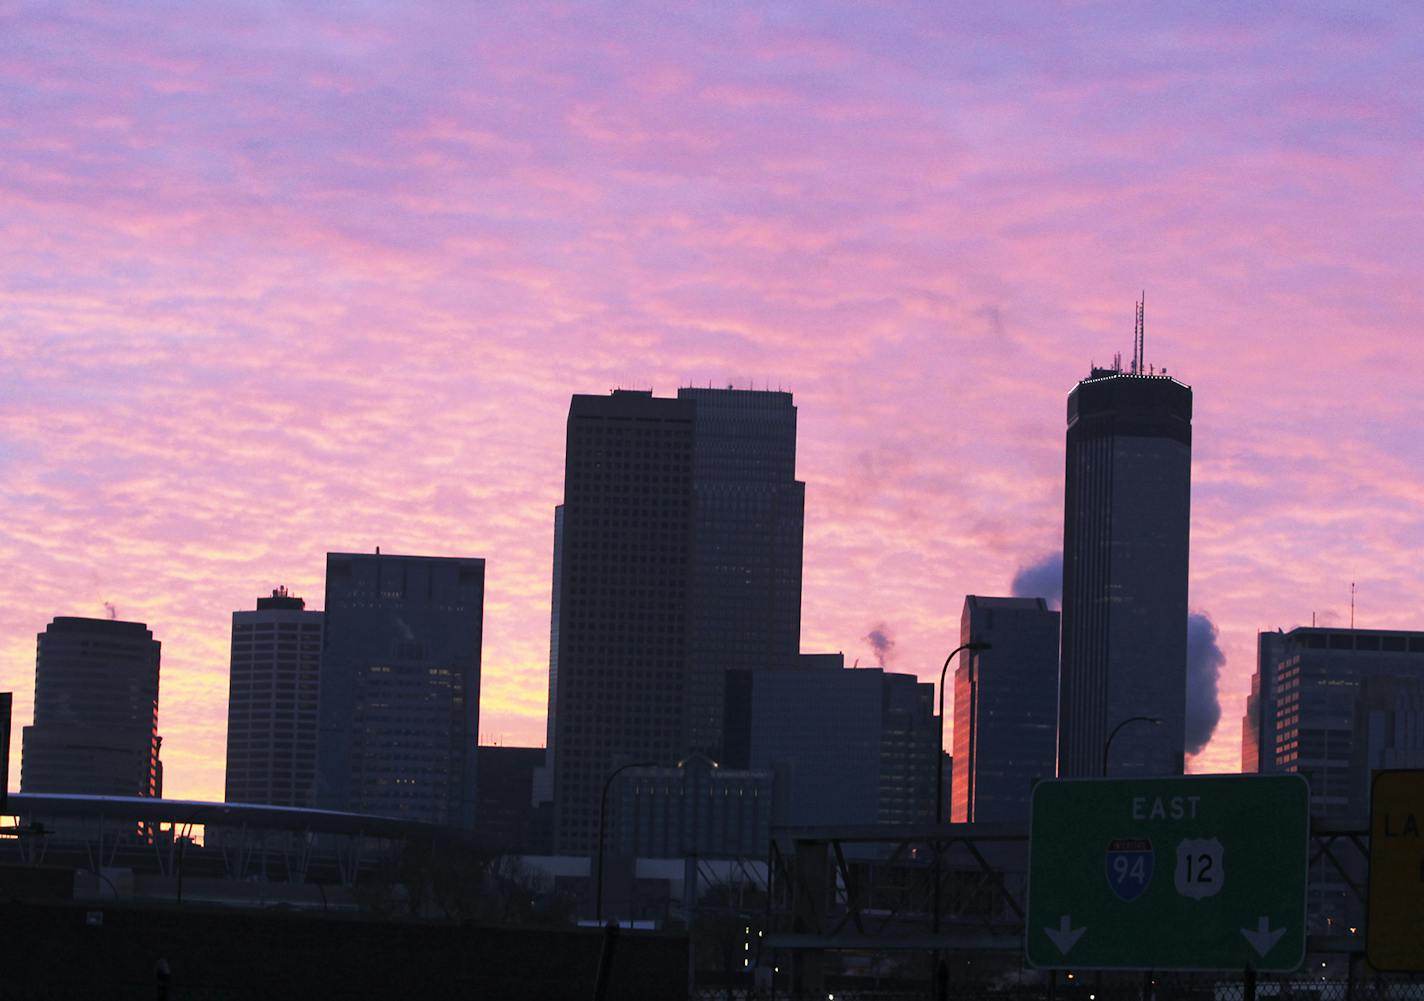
274, 283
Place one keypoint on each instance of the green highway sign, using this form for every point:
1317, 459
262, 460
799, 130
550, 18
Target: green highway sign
1192, 873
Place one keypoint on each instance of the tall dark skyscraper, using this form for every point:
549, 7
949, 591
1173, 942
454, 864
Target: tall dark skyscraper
272, 702
1005, 708
677, 556
1126, 518
96, 711
748, 518
399, 696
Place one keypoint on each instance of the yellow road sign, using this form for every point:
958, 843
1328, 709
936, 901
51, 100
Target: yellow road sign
1394, 938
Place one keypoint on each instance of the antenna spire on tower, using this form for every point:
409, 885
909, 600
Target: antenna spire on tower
1142, 331
1139, 345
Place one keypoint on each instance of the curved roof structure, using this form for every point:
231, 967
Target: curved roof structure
188, 811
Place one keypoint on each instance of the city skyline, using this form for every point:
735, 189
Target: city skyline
268, 302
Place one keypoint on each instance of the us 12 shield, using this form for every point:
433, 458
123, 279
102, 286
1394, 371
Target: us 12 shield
1129, 867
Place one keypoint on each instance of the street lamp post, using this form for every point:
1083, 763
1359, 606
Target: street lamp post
602, 808
939, 763
1107, 744
935, 973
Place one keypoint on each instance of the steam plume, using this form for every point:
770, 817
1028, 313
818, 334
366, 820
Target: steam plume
880, 642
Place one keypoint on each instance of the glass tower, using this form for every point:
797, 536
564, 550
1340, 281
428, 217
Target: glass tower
677, 556
1005, 708
1127, 513
399, 698
96, 711
272, 702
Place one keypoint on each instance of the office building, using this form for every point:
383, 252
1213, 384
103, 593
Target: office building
398, 700
272, 702
509, 819
846, 746
677, 557
1315, 678
694, 807
95, 727
1005, 708
1388, 732
748, 515
1127, 506
1258, 722
1325, 684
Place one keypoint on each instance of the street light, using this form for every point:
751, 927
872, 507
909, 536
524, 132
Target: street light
939, 762
602, 806
939, 787
1131, 719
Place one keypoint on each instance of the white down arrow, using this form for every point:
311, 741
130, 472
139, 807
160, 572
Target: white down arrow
1064, 936
1263, 939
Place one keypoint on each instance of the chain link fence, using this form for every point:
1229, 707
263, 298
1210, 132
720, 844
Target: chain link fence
1335, 979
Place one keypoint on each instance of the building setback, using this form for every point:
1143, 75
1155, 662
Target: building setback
272, 702
95, 727
1127, 512
1005, 708
398, 705
677, 555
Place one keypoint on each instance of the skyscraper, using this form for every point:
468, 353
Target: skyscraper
1259, 722
677, 556
1315, 678
1005, 708
748, 517
1333, 696
272, 702
96, 711
398, 706
1127, 504
847, 746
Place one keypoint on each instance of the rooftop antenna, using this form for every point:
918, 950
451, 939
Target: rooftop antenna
1352, 604
1139, 347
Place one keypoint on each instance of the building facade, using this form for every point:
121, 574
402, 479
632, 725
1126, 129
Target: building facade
95, 727
1341, 702
1258, 722
509, 819
398, 700
272, 702
677, 556
1388, 732
1005, 708
845, 746
1127, 513
1315, 684
748, 516
694, 807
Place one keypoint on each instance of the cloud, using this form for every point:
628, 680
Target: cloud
1042, 578
329, 280
1204, 663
